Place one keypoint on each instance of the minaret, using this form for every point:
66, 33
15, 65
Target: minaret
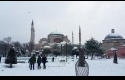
113, 31
72, 38
32, 39
81, 52
79, 36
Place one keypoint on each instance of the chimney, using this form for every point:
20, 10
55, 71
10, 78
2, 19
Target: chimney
113, 31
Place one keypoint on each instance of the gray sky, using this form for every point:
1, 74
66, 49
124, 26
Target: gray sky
95, 18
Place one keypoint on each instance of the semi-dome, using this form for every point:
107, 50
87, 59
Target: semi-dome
113, 35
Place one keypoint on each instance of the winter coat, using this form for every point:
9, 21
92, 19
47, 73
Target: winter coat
39, 60
32, 60
44, 59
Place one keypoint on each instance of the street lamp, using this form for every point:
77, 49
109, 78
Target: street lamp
66, 48
66, 52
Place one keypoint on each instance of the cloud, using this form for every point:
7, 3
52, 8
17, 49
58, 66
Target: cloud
96, 18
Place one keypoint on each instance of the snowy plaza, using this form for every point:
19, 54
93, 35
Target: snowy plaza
62, 38
97, 67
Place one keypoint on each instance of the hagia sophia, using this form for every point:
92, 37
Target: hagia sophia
53, 37
112, 40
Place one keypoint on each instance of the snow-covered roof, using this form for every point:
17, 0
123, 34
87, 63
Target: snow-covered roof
113, 49
113, 36
46, 46
64, 42
44, 42
123, 45
74, 48
56, 33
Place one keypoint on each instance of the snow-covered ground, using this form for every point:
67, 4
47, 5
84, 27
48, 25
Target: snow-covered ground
97, 67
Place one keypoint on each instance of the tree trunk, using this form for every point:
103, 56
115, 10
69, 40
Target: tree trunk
91, 56
81, 58
10, 65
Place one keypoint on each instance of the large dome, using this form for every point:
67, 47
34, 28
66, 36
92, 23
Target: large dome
56, 33
113, 35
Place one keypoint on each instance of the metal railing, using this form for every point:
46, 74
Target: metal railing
82, 71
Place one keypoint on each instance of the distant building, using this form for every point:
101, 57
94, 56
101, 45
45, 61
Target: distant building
120, 51
53, 38
56, 37
43, 40
114, 40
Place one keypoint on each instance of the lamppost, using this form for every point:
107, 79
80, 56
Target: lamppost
65, 48
61, 48
66, 52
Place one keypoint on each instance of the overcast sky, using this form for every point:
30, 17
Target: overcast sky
95, 18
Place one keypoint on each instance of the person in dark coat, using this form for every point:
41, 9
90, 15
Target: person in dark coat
44, 59
115, 58
32, 61
53, 59
39, 60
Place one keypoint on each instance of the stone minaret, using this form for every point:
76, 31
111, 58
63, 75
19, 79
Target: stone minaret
113, 31
81, 52
79, 36
32, 38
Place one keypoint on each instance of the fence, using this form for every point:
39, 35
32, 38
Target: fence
82, 71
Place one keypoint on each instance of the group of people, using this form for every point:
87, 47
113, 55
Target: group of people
39, 60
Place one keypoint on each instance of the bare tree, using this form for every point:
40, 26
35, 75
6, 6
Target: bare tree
8, 39
3, 48
17, 45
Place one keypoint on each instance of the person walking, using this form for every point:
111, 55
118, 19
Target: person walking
32, 62
44, 60
115, 58
53, 59
39, 60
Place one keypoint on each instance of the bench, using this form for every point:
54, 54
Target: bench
62, 60
20, 61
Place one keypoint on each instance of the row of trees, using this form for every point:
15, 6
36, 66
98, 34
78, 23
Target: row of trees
7, 43
92, 48
59, 50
